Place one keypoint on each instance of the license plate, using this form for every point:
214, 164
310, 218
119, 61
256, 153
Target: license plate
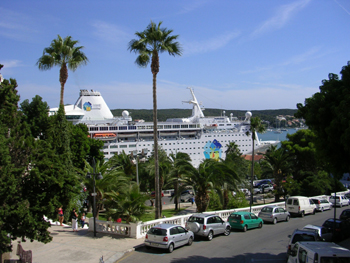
234, 221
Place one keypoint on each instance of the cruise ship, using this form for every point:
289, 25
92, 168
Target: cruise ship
200, 136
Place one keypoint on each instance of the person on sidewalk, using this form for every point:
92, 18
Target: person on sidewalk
74, 217
60, 215
82, 220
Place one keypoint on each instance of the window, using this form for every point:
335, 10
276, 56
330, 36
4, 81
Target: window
181, 229
246, 217
103, 128
302, 255
174, 231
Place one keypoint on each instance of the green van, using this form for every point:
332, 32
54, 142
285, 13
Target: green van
244, 221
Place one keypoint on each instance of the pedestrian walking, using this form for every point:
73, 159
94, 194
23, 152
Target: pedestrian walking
60, 215
74, 217
82, 220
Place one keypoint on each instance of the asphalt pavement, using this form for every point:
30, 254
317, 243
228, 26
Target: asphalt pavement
68, 246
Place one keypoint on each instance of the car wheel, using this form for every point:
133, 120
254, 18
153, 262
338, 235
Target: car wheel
274, 221
210, 235
287, 218
190, 241
322, 209
260, 225
314, 212
245, 228
302, 214
341, 205
227, 231
171, 248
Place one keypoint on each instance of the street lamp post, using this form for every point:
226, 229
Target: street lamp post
99, 176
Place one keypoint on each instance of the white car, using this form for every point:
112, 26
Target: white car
322, 204
339, 200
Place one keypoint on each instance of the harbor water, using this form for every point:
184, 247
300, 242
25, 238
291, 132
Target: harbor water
273, 136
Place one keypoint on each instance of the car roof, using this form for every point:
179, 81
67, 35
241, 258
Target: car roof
203, 215
241, 213
313, 226
165, 226
304, 231
273, 206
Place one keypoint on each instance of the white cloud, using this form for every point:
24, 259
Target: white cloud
11, 63
16, 26
210, 44
109, 32
282, 16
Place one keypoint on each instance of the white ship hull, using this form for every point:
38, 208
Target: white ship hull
199, 136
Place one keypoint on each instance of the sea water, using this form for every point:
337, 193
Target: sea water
272, 136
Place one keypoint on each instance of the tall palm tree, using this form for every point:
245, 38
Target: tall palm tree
180, 164
65, 54
255, 126
149, 43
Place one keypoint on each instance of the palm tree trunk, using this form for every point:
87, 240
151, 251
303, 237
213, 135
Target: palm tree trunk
156, 164
63, 80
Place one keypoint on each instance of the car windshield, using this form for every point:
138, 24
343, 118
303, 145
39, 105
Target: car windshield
199, 220
303, 237
157, 231
267, 209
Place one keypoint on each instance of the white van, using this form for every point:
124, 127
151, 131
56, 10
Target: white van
300, 205
320, 252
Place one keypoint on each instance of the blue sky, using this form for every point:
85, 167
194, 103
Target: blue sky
239, 55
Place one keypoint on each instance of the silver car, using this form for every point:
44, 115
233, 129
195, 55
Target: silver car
168, 236
273, 214
207, 225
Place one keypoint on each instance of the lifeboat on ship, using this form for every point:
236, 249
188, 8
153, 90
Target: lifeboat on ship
105, 136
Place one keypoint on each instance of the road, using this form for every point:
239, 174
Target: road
265, 245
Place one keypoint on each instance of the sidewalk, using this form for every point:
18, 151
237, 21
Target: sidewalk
68, 246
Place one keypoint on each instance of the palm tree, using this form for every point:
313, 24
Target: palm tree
277, 164
148, 45
65, 54
255, 126
129, 205
210, 175
112, 179
180, 165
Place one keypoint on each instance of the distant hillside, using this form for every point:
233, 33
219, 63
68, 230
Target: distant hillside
163, 114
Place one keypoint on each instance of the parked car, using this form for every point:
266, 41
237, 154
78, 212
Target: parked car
322, 204
244, 220
207, 225
273, 214
264, 188
322, 231
153, 194
342, 228
318, 252
339, 200
345, 214
168, 236
300, 205
301, 235
264, 181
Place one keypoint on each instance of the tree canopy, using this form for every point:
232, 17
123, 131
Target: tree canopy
327, 114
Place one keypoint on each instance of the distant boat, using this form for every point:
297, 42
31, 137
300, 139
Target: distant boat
278, 131
284, 130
